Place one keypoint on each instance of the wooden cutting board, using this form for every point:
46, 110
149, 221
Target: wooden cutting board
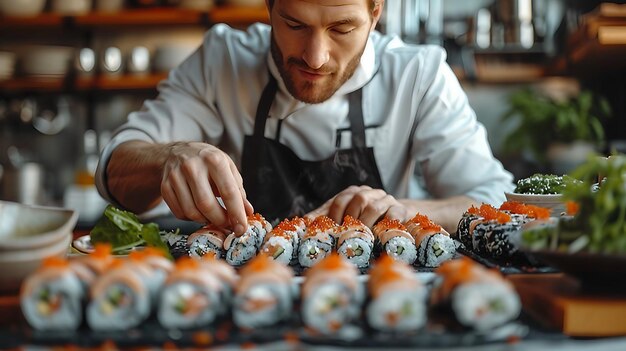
560, 302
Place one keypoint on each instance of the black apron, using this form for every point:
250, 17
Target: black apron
281, 185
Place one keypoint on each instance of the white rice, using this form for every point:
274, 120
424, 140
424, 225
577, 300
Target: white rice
402, 249
486, 305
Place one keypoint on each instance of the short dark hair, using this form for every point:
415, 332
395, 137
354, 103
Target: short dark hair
373, 4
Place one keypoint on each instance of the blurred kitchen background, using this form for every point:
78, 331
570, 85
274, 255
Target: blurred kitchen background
72, 70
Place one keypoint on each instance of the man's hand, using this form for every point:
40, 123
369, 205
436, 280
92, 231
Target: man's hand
362, 202
195, 175
189, 176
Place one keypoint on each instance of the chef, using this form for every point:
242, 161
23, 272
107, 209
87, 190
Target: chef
317, 113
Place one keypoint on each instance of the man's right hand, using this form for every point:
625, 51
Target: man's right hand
193, 176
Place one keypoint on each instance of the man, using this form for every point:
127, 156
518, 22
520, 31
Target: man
317, 112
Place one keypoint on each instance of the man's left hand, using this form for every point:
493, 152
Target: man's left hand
362, 202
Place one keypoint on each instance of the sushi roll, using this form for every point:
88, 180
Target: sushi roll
480, 298
225, 273
52, 297
121, 298
207, 239
331, 295
279, 245
295, 229
466, 225
434, 244
263, 294
317, 242
490, 234
259, 227
356, 241
240, 250
192, 296
395, 240
397, 297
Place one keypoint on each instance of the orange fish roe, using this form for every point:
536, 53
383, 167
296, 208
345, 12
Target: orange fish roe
529, 210
473, 210
54, 262
425, 223
490, 213
349, 221
101, 250
256, 217
572, 208
388, 223
259, 263
331, 262
187, 263
322, 223
287, 225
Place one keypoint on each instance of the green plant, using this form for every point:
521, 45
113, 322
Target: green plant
543, 120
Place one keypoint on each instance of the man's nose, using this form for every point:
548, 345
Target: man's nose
316, 52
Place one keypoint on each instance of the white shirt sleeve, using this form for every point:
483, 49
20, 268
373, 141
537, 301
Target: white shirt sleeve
450, 145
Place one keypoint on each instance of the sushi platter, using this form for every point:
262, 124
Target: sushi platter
309, 280
295, 317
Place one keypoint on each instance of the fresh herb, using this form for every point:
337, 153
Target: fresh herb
543, 120
601, 217
541, 184
123, 230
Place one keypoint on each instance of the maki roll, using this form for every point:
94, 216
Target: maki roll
225, 273
479, 298
52, 297
434, 244
395, 240
263, 294
356, 241
317, 242
207, 239
121, 298
192, 296
397, 297
259, 227
466, 225
240, 250
491, 232
279, 245
331, 295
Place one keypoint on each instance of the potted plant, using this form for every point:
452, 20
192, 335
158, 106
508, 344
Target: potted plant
559, 133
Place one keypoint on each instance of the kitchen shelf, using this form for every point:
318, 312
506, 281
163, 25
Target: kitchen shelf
84, 83
43, 20
40, 84
122, 82
143, 17
164, 16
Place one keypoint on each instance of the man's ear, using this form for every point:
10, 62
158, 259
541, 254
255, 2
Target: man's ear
376, 13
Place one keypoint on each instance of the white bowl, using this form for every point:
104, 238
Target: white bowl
552, 201
22, 8
43, 60
17, 265
201, 5
27, 228
71, 7
7, 64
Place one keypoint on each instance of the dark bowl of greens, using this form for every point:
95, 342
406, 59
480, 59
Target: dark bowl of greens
590, 244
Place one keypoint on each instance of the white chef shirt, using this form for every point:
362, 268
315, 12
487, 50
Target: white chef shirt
426, 139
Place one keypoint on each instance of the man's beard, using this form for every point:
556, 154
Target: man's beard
307, 91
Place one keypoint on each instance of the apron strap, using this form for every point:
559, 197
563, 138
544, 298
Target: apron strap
355, 115
263, 109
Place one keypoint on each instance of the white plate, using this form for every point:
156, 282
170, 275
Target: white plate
552, 201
